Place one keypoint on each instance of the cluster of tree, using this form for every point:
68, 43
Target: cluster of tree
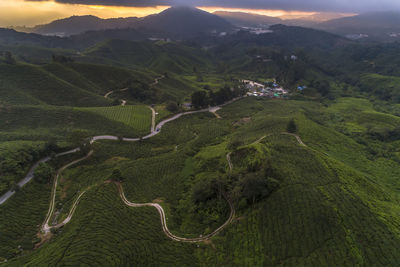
43, 173
291, 127
117, 176
62, 59
201, 99
255, 187
384, 134
204, 190
141, 91
13, 165
386, 91
172, 106
81, 139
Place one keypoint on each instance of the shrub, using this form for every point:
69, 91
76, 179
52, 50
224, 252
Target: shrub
203, 191
172, 106
43, 173
292, 127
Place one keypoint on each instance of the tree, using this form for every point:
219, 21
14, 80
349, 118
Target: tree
203, 191
256, 187
292, 127
78, 137
116, 176
51, 146
200, 99
141, 91
172, 106
116, 102
43, 173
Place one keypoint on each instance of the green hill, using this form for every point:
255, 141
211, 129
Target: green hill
157, 56
41, 87
330, 201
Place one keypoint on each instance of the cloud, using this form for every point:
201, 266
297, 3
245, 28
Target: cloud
127, 3
303, 5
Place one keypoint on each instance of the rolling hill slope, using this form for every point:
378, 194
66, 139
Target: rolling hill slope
157, 56
316, 206
41, 87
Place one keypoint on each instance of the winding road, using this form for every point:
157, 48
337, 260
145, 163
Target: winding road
46, 227
30, 175
123, 102
164, 220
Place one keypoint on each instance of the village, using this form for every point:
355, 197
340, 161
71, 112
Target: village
269, 89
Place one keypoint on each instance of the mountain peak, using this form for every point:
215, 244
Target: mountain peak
185, 20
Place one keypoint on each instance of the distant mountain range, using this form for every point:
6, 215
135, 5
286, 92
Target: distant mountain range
79, 24
176, 21
181, 23
374, 25
247, 19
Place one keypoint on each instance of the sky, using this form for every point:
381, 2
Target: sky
33, 12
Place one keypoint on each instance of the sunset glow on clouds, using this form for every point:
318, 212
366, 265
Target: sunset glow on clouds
29, 13
33, 12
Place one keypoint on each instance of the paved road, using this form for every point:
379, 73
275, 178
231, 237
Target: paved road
164, 220
154, 132
45, 226
30, 175
123, 102
153, 119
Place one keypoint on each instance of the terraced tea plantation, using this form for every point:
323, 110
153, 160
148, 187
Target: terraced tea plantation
137, 117
295, 204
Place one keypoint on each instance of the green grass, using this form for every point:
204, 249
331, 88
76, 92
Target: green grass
136, 117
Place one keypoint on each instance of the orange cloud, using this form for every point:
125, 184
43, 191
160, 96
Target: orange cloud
20, 12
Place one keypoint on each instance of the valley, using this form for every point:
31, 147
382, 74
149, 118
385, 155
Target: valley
176, 143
